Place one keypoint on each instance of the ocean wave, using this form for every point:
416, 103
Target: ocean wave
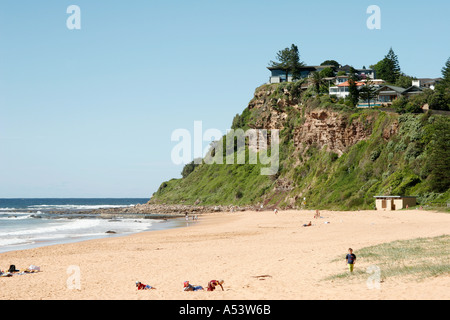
15, 241
81, 226
15, 216
56, 227
29, 232
76, 206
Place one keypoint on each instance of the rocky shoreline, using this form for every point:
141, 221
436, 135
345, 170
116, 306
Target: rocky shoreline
169, 209
147, 210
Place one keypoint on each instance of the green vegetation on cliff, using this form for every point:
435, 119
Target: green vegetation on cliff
332, 155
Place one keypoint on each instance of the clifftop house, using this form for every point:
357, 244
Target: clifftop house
279, 74
339, 85
340, 89
362, 73
388, 93
429, 83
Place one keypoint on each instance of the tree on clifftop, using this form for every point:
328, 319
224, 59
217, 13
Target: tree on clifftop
388, 69
353, 92
289, 60
368, 92
446, 74
330, 63
317, 80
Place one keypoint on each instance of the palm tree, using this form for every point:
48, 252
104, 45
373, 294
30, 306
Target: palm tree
316, 80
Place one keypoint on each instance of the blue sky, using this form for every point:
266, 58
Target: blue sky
90, 112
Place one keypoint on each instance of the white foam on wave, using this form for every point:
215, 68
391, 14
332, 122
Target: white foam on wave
14, 241
77, 207
60, 229
15, 216
26, 232
57, 226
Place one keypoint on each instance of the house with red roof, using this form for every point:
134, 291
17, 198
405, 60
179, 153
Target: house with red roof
341, 90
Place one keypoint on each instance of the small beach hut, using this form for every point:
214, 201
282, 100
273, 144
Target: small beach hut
388, 203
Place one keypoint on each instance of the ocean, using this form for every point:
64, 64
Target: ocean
28, 223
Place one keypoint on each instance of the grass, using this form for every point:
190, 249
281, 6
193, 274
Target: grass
419, 258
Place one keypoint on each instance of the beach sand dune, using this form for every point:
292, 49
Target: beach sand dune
260, 255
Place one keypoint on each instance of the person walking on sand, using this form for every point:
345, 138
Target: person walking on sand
350, 258
317, 215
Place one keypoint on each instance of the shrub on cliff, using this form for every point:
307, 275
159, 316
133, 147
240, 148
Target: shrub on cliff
440, 155
189, 168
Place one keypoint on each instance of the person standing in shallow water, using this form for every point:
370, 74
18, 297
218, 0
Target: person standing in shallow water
350, 258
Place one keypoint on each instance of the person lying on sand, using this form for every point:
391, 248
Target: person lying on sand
308, 225
141, 286
213, 283
190, 287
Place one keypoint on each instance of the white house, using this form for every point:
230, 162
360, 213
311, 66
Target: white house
426, 83
341, 89
362, 73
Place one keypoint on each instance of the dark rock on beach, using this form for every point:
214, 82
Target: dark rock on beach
162, 211
170, 209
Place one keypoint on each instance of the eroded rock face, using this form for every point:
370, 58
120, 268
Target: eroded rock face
321, 128
328, 129
390, 131
267, 117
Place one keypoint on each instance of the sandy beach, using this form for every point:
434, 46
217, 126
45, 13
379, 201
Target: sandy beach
259, 255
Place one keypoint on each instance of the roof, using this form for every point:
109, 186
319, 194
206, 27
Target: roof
326, 66
396, 197
396, 89
347, 84
412, 89
310, 68
347, 68
364, 69
427, 80
344, 68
